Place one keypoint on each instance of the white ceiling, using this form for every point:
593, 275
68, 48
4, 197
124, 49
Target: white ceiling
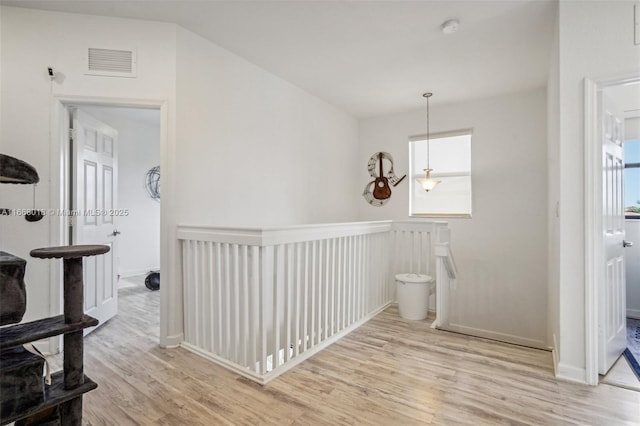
366, 57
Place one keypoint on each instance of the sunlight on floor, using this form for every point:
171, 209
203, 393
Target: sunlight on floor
621, 374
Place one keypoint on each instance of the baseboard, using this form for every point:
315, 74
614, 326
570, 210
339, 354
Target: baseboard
136, 272
502, 337
633, 313
171, 342
569, 373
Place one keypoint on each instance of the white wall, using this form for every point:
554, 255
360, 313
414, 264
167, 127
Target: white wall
501, 252
31, 41
596, 40
255, 150
138, 151
241, 146
553, 194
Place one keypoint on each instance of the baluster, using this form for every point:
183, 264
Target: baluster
220, 301
321, 287
345, 300
190, 299
326, 284
385, 272
186, 279
408, 248
393, 253
305, 300
194, 291
357, 289
332, 322
345, 283
340, 276
266, 264
349, 267
289, 286
397, 267
415, 251
298, 257
357, 279
277, 302
382, 277
369, 285
199, 301
227, 298
363, 283
254, 325
235, 282
199, 287
424, 250
211, 285
314, 279
246, 309
375, 270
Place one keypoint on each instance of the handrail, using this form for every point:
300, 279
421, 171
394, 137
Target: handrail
269, 236
443, 250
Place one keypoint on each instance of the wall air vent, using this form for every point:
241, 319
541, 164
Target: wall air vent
111, 62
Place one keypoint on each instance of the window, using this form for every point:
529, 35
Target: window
632, 179
450, 159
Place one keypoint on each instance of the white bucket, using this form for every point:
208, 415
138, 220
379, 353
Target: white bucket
412, 292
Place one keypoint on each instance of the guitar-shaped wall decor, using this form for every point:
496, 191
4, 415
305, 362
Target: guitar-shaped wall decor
381, 192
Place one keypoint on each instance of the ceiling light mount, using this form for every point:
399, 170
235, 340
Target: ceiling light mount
451, 26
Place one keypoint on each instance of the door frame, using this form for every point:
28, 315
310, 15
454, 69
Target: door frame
594, 255
59, 195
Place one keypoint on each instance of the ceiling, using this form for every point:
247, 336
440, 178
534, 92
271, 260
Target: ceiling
368, 58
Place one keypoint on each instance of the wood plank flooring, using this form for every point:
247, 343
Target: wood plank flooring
388, 372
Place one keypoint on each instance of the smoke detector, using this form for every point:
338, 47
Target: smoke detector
451, 26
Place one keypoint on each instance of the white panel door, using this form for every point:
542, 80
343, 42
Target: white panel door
612, 327
94, 198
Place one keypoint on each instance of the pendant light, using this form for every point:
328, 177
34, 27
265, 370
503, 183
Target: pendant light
428, 183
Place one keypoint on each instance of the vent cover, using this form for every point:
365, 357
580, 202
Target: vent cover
111, 62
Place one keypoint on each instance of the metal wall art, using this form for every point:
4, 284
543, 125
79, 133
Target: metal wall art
378, 191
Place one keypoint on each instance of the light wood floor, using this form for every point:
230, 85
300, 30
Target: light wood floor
388, 372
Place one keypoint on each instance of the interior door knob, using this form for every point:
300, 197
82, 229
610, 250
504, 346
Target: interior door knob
626, 243
115, 233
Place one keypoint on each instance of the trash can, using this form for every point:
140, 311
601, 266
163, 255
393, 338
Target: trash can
412, 292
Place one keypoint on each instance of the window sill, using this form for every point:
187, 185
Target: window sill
441, 215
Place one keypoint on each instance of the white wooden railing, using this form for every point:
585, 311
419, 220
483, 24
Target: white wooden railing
261, 300
447, 274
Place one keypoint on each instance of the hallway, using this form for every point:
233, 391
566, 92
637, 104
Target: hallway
388, 372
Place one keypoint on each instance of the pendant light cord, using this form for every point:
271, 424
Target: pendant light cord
428, 95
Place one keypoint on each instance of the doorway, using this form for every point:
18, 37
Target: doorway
608, 304
626, 370
126, 206
60, 196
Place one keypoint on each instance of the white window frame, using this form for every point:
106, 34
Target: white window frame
414, 174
